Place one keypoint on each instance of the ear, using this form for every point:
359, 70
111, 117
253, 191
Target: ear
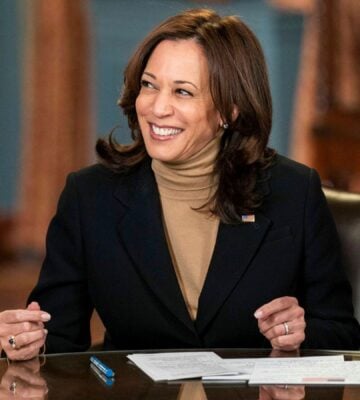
219, 119
235, 113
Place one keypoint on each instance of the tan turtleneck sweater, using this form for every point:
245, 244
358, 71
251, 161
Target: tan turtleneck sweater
191, 234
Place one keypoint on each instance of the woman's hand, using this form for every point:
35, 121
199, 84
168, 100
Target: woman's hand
278, 392
23, 380
22, 332
282, 322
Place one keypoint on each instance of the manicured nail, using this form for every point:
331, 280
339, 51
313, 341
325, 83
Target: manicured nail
45, 317
258, 314
46, 331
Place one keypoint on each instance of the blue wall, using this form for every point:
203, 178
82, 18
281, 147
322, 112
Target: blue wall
117, 27
9, 102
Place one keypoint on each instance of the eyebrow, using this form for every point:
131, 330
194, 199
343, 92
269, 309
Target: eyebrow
177, 81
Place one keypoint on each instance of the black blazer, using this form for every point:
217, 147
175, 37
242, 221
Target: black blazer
106, 249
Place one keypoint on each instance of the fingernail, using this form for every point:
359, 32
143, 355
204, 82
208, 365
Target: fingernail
45, 331
258, 314
45, 317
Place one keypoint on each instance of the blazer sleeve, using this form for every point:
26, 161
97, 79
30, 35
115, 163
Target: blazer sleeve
325, 290
62, 286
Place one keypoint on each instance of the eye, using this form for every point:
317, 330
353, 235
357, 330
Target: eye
184, 92
146, 84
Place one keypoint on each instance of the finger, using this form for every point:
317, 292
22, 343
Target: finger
293, 317
297, 325
289, 342
275, 322
26, 344
14, 316
33, 392
285, 392
274, 306
25, 390
274, 331
33, 349
265, 393
26, 338
34, 305
26, 352
33, 365
7, 330
280, 330
4, 392
21, 372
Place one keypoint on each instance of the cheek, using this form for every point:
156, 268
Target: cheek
137, 105
214, 120
210, 122
140, 105
208, 115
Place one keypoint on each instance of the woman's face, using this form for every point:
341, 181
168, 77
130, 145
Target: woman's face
175, 110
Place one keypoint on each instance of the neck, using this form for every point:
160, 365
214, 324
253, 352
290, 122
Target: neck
191, 178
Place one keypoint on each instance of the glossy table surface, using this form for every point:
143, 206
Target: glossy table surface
69, 376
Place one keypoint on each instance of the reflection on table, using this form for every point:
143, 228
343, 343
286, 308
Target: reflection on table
69, 376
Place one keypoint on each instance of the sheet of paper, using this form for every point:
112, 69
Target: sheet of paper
179, 365
246, 366
307, 370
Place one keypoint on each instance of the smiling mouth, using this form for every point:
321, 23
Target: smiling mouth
165, 132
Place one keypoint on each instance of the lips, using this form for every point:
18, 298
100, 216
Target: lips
165, 131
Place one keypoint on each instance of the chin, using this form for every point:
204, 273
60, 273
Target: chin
163, 158
163, 154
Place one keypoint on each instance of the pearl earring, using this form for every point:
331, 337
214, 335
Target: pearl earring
225, 125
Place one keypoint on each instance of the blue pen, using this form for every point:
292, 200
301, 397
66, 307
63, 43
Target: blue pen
104, 379
102, 367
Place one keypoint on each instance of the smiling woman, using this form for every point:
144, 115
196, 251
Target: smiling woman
226, 60
176, 114
196, 235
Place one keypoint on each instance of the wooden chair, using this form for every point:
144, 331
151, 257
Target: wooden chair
345, 208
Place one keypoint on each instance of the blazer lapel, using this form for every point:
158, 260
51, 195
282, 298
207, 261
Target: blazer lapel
142, 234
235, 247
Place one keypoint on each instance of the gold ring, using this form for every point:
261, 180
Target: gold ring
12, 342
286, 328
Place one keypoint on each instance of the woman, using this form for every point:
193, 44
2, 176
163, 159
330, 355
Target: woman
196, 235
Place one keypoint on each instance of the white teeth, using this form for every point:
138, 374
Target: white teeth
165, 131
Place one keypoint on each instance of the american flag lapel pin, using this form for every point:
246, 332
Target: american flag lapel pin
248, 218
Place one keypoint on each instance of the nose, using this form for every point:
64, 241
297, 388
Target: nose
162, 104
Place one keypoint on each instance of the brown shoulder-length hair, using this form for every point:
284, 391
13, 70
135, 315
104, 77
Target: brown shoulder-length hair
238, 81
